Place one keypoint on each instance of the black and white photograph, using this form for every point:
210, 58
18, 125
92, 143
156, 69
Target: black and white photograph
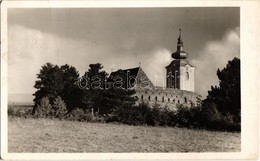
120, 79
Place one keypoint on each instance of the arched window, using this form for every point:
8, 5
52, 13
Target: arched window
155, 98
173, 100
162, 99
185, 99
142, 97
168, 99
149, 98
187, 76
178, 101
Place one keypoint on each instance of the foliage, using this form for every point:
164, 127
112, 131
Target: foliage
154, 115
71, 93
79, 115
20, 111
59, 108
227, 96
102, 97
200, 117
59, 92
43, 109
132, 115
54, 81
56, 110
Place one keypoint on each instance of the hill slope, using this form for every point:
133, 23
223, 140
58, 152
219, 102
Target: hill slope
45, 135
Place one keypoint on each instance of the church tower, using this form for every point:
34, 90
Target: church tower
180, 73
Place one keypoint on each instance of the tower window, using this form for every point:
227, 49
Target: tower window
187, 76
142, 97
162, 99
185, 99
149, 98
168, 99
155, 98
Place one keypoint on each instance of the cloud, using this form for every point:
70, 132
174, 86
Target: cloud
155, 64
29, 49
215, 54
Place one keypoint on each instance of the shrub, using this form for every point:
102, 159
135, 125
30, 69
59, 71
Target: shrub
185, 116
43, 109
80, 115
59, 108
11, 112
132, 115
154, 115
20, 111
142, 114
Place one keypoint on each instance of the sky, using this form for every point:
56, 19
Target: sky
119, 38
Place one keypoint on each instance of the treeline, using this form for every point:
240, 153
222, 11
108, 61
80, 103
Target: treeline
63, 94
60, 91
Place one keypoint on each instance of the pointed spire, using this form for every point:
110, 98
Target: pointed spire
180, 43
180, 53
179, 39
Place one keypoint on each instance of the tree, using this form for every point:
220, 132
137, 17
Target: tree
50, 83
112, 98
71, 93
95, 86
227, 96
43, 109
54, 81
102, 97
59, 108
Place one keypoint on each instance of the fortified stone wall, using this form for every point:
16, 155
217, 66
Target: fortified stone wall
166, 97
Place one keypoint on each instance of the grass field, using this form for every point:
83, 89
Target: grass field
46, 135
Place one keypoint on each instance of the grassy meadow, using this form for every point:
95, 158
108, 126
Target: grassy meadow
46, 135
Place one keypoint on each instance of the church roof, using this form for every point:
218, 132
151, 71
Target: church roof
132, 72
131, 77
128, 77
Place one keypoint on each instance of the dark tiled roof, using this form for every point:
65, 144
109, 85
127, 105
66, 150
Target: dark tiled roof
132, 72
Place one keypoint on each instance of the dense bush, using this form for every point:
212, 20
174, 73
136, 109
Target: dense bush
132, 115
20, 111
47, 110
80, 115
201, 117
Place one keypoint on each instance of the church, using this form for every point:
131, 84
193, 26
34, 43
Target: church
179, 82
